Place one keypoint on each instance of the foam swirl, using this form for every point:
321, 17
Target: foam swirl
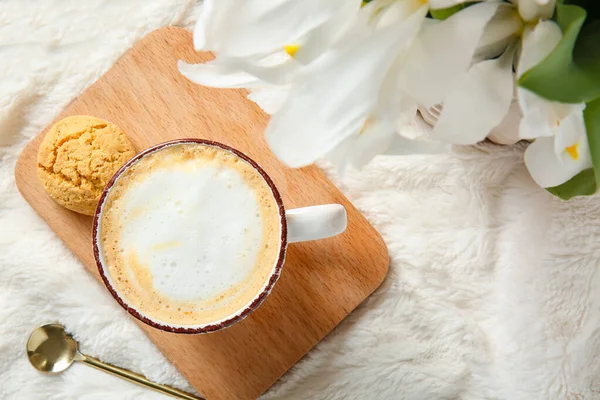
189, 234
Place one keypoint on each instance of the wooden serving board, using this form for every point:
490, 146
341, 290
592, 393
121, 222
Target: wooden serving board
322, 281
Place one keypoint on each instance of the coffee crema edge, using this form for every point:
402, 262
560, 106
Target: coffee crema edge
130, 267
200, 328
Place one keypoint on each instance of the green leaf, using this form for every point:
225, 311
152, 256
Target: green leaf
561, 76
591, 117
444, 13
582, 184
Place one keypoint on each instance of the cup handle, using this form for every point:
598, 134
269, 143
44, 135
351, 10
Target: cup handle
315, 222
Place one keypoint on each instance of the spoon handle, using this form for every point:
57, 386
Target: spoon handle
136, 378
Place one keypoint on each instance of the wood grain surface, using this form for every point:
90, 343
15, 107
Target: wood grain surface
322, 281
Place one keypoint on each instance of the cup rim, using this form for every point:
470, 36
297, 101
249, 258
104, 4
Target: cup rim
240, 314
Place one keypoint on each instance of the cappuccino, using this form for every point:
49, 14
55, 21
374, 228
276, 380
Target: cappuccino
189, 235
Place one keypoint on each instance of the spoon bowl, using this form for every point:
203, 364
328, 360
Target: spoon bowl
50, 349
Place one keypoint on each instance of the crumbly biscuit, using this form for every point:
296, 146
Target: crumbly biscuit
77, 158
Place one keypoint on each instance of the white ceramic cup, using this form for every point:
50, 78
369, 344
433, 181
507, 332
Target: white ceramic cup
297, 225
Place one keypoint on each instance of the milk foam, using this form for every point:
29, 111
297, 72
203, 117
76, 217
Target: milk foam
190, 234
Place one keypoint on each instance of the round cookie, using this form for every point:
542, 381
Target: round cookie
77, 158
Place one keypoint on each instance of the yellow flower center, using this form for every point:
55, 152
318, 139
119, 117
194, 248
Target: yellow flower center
291, 49
572, 151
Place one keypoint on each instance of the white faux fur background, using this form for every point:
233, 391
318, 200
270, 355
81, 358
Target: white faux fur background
494, 285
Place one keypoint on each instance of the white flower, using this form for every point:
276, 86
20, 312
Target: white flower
552, 161
348, 103
443, 51
560, 150
262, 42
346, 70
340, 97
480, 99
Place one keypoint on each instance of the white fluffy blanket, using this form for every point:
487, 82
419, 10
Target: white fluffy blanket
493, 291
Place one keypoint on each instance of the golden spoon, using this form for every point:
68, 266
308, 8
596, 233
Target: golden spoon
51, 350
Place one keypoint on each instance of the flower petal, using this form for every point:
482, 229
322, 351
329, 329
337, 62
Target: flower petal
546, 169
507, 132
217, 74
269, 99
503, 29
533, 10
540, 116
388, 13
278, 74
200, 28
361, 147
537, 112
332, 101
571, 132
443, 52
243, 28
535, 124
537, 44
532, 103
319, 38
479, 102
